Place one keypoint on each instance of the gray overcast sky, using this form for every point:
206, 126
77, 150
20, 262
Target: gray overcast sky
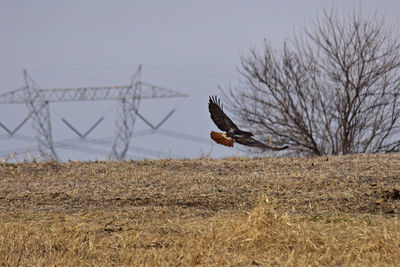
189, 46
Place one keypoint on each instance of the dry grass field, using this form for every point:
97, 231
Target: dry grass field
234, 211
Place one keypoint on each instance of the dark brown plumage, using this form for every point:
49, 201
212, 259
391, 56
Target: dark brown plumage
233, 133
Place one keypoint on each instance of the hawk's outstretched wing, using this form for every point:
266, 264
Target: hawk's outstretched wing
248, 141
220, 119
221, 138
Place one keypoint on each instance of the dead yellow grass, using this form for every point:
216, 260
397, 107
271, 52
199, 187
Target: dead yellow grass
236, 211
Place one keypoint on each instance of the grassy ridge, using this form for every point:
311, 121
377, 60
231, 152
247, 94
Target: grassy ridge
266, 211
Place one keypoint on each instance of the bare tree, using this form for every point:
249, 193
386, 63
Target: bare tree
332, 89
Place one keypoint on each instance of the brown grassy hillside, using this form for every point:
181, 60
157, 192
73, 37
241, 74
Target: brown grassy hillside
234, 211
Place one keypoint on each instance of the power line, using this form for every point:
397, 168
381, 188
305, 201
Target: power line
128, 96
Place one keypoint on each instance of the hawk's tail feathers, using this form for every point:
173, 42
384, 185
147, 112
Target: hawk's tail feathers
221, 138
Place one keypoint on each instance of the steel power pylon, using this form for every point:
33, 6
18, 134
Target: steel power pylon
129, 96
40, 113
129, 104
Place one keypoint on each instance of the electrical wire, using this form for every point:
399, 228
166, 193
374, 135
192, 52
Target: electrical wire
69, 144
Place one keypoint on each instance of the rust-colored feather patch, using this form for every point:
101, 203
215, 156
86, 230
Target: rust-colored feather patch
221, 138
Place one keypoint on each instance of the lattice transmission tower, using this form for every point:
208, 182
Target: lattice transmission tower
38, 101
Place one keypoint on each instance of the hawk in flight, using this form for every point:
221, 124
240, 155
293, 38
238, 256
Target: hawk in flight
232, 132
